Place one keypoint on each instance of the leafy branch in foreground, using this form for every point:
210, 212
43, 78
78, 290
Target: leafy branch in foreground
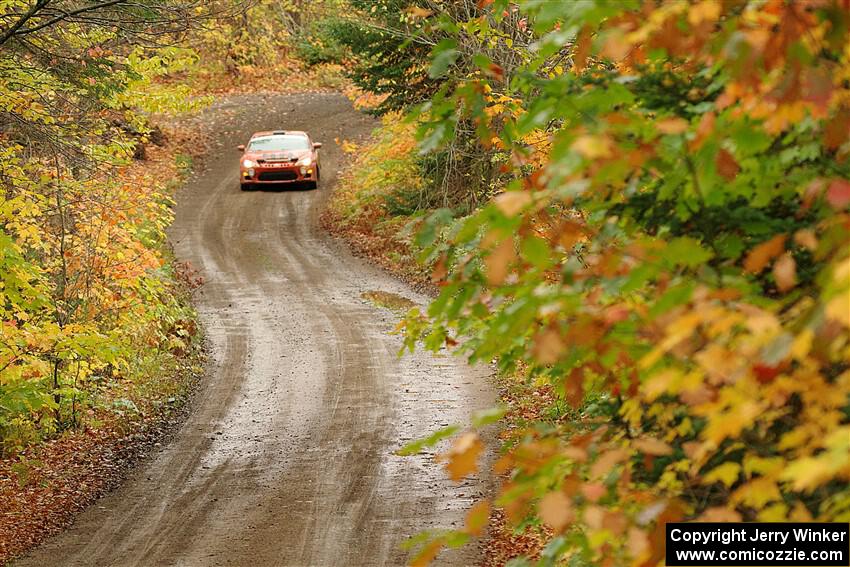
672, 245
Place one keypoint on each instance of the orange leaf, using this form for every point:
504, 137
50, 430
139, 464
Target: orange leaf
582, 48
785, 272
498, 260
593, 491
512, 202
417, 12
463, 456
574, 387
761, 255
651, 446
672, 126
606, 462
548, 346
477, 517
838, 194
428, 553
727, 167
837, 130
807, 239
556, 510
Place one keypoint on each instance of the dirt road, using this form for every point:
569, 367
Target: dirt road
287, 457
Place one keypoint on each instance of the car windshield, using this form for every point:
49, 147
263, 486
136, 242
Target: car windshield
279, 143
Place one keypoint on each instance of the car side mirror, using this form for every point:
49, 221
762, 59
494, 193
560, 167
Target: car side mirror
241, 147
317, 145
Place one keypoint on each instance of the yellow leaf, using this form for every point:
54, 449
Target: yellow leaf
838, 309
774, 513
764, 466
592, 147
705, 11
720, 514
757, 493
727, 473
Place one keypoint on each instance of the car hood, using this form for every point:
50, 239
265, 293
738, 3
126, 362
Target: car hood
277, 155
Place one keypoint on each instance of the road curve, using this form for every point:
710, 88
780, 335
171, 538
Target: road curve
287, 457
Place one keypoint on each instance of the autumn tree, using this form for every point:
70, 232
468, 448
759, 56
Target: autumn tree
670, 256
84, 288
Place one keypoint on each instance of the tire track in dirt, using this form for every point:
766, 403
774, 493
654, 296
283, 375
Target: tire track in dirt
287, 458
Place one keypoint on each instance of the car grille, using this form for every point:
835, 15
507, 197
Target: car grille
278, 176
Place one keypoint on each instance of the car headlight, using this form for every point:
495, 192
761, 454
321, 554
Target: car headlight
248, 164
305, 161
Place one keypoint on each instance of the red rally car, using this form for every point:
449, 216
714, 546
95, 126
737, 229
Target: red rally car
281, 156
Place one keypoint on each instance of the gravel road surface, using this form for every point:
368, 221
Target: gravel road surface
287, 456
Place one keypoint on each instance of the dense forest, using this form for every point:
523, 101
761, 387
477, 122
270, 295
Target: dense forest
639, 210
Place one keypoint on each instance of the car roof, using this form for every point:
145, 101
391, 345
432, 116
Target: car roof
279, 133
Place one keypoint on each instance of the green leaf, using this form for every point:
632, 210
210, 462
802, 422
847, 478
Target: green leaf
444, 56
416, 446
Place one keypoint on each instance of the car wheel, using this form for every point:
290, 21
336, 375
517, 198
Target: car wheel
245, 186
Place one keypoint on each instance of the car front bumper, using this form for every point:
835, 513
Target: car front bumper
276, 174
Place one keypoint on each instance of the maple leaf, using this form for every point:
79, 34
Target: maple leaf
727, 473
